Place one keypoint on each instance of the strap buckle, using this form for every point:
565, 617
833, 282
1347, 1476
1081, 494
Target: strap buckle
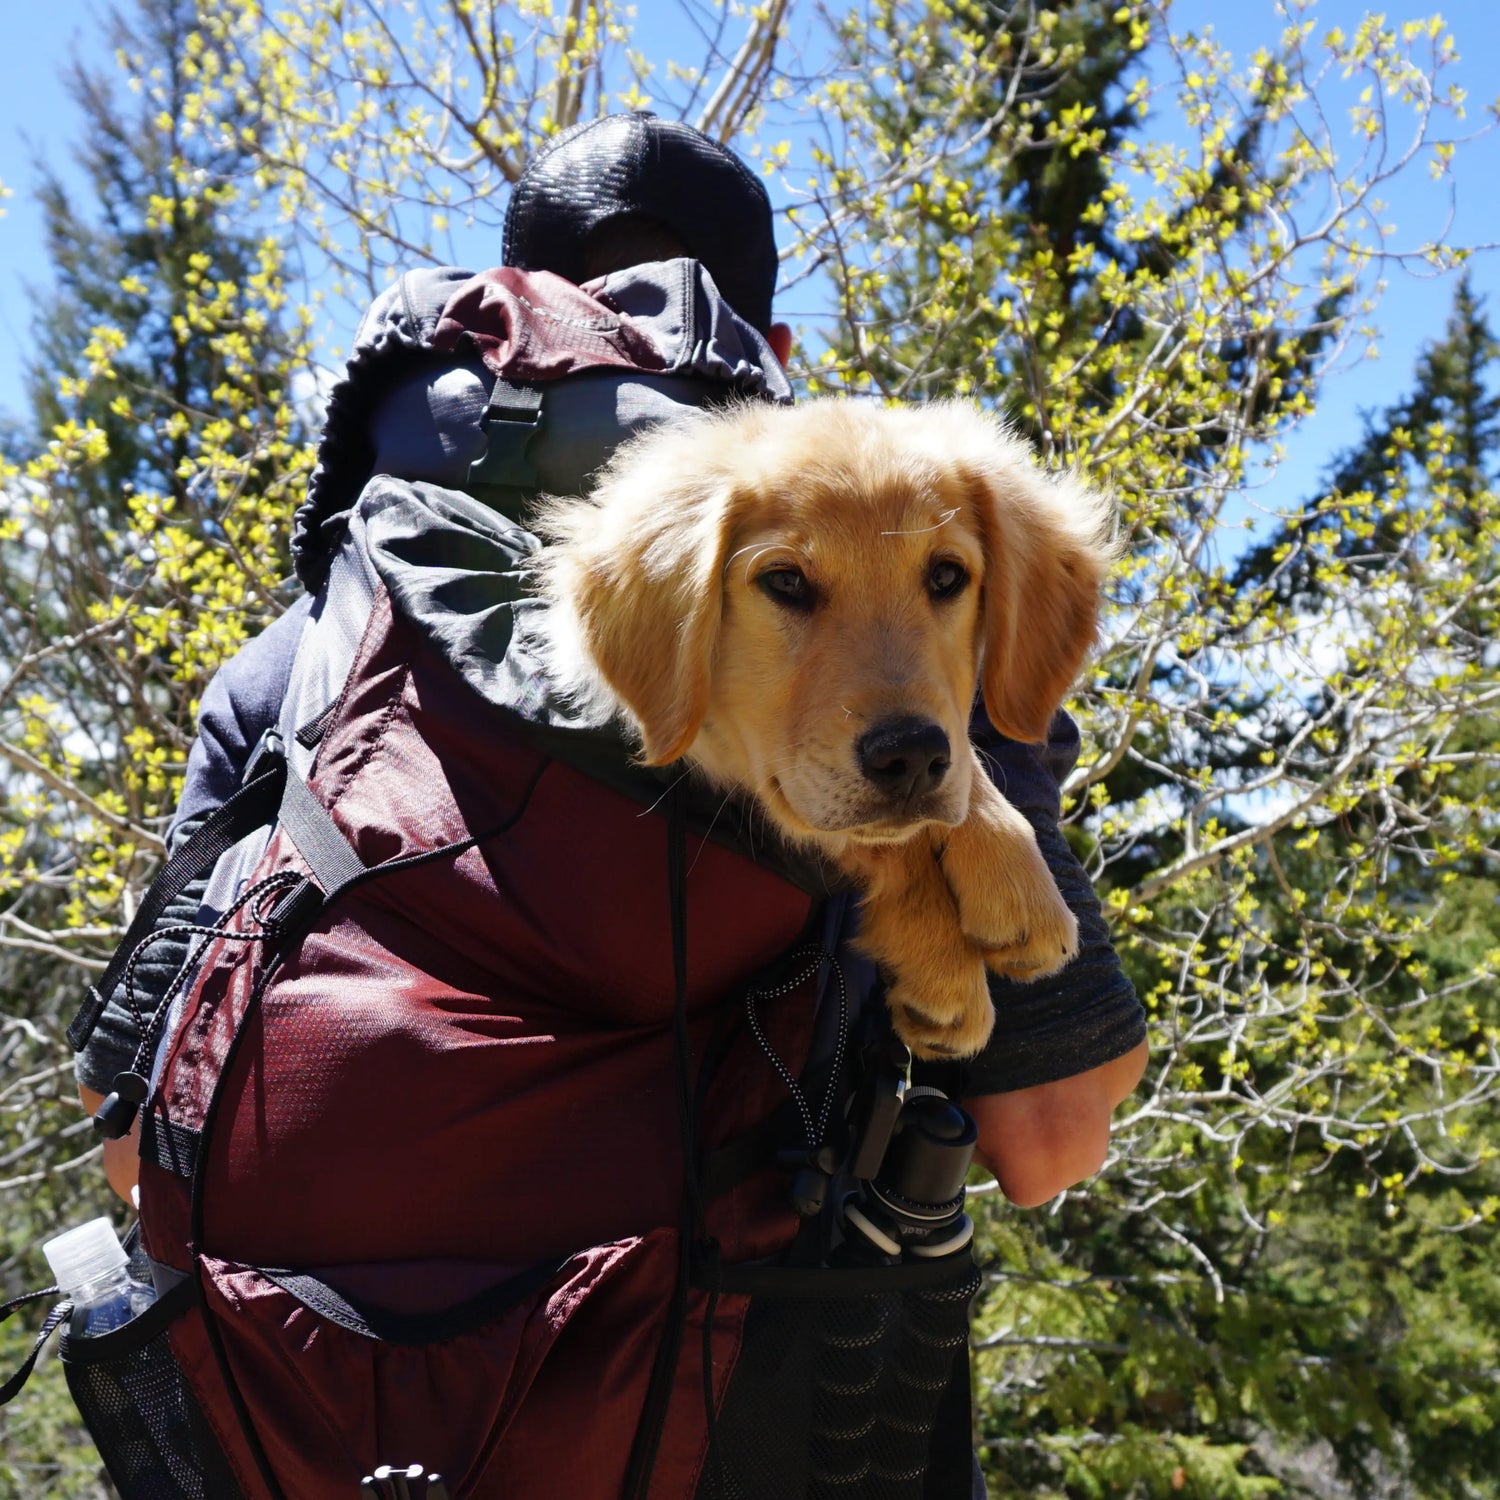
270, 747
511, 421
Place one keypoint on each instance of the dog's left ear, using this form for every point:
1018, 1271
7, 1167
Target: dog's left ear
1047, 552
645, 577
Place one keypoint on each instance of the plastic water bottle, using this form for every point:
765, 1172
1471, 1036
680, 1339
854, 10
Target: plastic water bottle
91, 1267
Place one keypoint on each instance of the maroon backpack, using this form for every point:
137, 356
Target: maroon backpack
467, 1149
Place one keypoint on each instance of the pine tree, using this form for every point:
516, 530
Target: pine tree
124, 267
160, 464
1443, 433
1188, 1328
161, 331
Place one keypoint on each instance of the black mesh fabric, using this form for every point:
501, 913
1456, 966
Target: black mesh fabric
149, 1432
839, 1398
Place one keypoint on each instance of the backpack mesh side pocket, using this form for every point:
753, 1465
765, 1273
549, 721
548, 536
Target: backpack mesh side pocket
842, 1388
149, 1430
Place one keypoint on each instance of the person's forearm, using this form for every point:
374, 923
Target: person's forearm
1042, 1140
122, 1158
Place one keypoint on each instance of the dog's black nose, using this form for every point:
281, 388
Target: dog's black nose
905, 758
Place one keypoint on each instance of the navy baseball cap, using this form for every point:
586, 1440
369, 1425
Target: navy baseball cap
639, 166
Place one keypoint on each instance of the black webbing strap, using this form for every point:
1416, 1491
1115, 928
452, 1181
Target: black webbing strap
11, 1388
510, 402
270, 795
659, 1387
750, 1153
328, 853
252, 807
511, 420
822, 1283
172, 1147
755, 1150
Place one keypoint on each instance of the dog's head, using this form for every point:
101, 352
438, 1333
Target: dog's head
802, 602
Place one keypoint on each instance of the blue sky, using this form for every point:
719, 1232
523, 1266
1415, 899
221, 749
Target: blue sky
40, 40
38, 122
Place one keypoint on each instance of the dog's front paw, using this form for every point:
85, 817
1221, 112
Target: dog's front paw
947, 1021
1044, 938
1008, 903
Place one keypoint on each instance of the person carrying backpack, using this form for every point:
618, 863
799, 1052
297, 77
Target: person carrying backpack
496, 1106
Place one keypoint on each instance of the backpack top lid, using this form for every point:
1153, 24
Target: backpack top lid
649, 340
637, 165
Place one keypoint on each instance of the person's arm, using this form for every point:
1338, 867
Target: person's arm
1045, 1139
1067, 1049
122, 1158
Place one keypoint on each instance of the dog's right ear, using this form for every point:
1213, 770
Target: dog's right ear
641, 565
1047, 553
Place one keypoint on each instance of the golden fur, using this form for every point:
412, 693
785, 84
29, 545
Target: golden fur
668, 588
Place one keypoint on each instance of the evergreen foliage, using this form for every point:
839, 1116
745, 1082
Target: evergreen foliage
1345, 1340
130, 273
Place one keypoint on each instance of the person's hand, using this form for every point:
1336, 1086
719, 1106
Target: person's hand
122, 1158
1041, 1140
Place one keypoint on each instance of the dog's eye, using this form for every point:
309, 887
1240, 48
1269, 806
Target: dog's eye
787, 586
945, 579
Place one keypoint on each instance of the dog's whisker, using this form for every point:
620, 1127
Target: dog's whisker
938, 525
775, 768
788, 757
613, 575
666, 790
708, 832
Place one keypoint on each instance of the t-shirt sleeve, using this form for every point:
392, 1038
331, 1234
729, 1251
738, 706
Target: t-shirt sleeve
241, 702
1086, 1014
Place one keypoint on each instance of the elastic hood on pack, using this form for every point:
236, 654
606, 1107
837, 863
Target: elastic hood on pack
407, 408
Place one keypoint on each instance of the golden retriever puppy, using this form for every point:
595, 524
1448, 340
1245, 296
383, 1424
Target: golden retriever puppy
802, 603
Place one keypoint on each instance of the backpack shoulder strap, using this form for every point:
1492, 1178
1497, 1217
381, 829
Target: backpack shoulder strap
252, 807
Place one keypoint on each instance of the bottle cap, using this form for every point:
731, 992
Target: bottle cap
85, 1254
